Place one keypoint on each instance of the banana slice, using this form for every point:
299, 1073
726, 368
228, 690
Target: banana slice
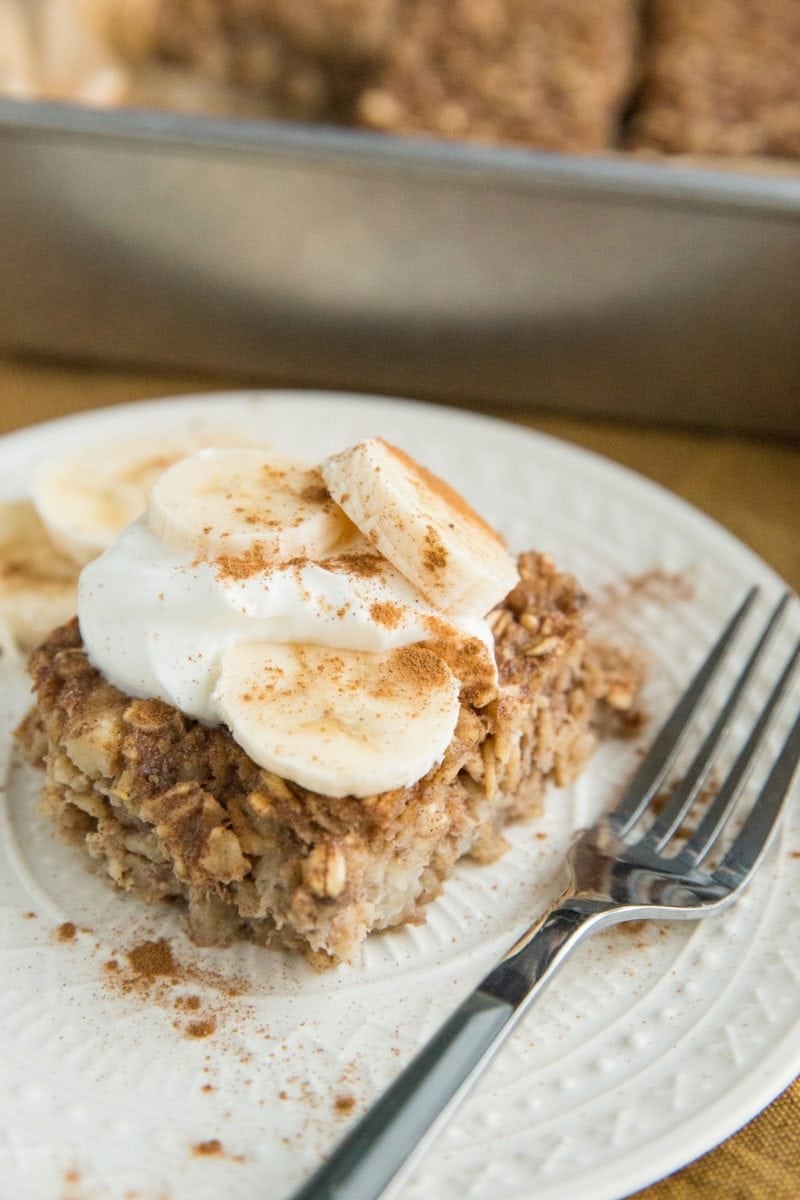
86, 498
229, 502
17, 55
38, 586
424, 528
9, 654
339, 722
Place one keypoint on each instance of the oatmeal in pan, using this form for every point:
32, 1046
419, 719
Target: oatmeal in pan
586, 76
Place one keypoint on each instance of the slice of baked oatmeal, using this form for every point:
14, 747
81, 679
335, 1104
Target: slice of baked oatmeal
721, 77
555, 74
304, 61
171, 809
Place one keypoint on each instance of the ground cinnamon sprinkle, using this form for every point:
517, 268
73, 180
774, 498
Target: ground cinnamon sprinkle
434, 557
66, 932
419, 667
344, 1104
152, 959
461, 656
363, 566
188, 1003
384, 612
426, 479
152, 971
201, 1029
316, 493
206, 1149
250, 562
471, 663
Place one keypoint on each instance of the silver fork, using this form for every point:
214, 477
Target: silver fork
615, 876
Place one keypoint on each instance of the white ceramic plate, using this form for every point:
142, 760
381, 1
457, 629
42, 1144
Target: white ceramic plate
650, 1046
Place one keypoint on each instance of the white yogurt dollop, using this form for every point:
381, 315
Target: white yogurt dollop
156, 621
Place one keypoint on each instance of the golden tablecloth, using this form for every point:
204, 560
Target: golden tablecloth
750, 486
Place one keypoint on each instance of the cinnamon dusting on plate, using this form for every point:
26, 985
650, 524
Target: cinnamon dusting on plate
655, 586
201, 1029
151, 971
188, 1003
149, 960
213, 1147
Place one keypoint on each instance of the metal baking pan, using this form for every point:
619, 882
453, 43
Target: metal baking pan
348, 259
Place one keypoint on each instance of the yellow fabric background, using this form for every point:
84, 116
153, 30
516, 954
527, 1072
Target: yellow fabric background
749, 485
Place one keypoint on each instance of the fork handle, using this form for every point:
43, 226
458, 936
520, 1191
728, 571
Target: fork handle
387, 1142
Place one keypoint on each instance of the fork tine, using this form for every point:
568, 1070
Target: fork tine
701, 842
659, 759
685, 792
743, 857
